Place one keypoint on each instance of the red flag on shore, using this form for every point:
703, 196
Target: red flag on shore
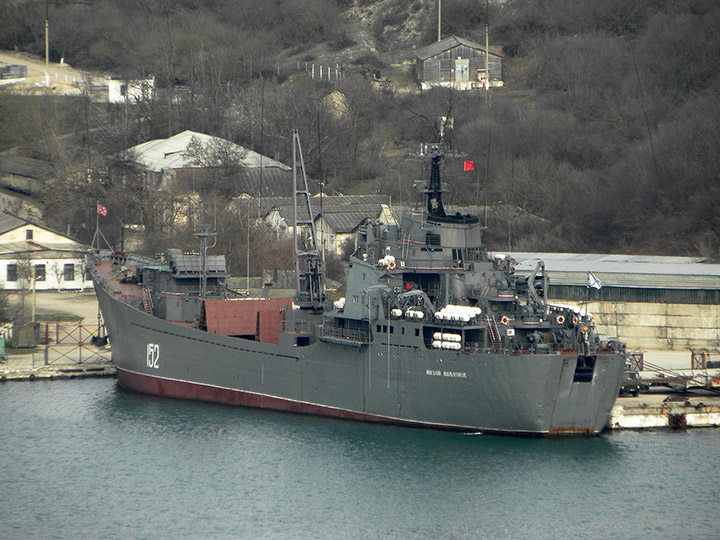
469, 166
101, 210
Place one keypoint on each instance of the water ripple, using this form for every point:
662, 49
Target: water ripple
85, 459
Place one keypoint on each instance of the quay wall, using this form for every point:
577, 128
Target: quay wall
658, 326
653, 411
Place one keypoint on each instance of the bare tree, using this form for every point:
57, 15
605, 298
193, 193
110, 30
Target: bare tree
222, 164
58, 272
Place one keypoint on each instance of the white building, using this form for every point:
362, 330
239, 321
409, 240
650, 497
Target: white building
124, 90
27, 250
162, 162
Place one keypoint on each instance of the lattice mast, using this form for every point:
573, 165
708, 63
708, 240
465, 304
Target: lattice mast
309, 268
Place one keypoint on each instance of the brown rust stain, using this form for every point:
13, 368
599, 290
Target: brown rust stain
570, 432
677, 421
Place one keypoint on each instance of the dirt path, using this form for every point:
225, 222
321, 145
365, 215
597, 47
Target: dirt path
63, 78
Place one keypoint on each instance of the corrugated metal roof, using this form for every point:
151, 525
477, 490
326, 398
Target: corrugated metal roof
8, 222
443, 45
15, 251
346, 222
11, 163
192, 264
351, 199
368, 205
275, 182
24, 247
161, 154
634, 271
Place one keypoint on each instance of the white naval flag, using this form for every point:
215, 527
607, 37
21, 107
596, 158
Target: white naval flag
594, 282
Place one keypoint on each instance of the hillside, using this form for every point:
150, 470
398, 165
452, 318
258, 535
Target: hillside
604, 137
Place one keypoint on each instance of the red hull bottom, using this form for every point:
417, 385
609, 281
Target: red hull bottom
200, 392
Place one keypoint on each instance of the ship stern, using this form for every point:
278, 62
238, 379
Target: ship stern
586, 393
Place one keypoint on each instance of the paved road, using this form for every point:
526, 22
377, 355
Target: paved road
75, 303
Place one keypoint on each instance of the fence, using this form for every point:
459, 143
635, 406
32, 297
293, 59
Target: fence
62, 344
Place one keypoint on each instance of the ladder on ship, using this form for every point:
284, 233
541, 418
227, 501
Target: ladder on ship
494, 333
147, 302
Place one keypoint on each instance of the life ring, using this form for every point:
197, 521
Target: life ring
391, 265
575, 320
560, 319
504, 320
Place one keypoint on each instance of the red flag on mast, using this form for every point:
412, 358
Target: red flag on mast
469, 166
101, 210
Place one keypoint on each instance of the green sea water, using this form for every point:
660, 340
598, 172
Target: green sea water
85, 459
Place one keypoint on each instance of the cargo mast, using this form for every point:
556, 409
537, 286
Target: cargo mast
309, 269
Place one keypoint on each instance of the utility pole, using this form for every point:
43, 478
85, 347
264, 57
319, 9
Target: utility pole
439, 20
47, 46
487, 44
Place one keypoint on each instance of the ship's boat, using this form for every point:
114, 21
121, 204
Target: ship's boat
434, 331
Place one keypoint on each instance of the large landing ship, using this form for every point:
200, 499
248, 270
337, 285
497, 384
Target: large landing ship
434, 331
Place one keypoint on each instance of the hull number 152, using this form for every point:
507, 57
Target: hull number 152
153, 355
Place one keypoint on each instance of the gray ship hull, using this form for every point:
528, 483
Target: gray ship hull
399, 383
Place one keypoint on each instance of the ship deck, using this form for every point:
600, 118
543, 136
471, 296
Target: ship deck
112, 277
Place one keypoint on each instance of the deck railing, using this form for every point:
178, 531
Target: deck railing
344, 334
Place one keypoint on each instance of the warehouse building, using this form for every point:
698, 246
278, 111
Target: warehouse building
650, 302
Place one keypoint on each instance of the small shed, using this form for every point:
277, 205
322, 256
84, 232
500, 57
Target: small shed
130, 91
458, 63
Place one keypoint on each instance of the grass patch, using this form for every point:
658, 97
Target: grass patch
402, 77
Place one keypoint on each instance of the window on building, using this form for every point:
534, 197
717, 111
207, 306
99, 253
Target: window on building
28, 234
39, 272
11, 272
69, 272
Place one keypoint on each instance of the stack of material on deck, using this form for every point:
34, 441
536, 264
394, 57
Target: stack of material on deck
260, 318
269, 326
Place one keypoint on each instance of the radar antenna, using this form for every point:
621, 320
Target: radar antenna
433, 187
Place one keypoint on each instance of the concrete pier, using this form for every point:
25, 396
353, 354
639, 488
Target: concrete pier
57, 362
666, 410
58, 372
